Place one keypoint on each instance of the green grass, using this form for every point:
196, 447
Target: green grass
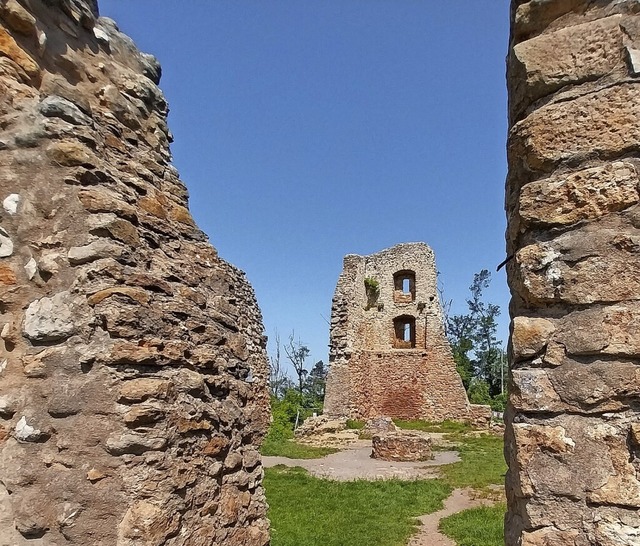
476, 527
354, 424
292, 450
308, 511
428, 426
482, 462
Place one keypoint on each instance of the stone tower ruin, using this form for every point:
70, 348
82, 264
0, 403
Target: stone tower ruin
132, 358
573, 242
388, 351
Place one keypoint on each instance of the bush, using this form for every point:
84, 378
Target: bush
479, 392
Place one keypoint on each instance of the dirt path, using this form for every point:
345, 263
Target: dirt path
355, 463
429, 535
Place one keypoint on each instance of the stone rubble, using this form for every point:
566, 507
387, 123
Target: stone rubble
132, 358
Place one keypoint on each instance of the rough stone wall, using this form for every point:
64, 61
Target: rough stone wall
368, 377
132, 369
573, 431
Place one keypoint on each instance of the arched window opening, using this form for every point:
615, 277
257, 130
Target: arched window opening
404, 286
404, 328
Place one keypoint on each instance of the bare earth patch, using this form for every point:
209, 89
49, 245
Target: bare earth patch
355, 463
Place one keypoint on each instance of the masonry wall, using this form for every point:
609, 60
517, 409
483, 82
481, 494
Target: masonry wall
368, 375
573, 432
132, 364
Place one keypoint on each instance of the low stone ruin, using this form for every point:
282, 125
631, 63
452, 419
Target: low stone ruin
132, 364
401, 445
323, 431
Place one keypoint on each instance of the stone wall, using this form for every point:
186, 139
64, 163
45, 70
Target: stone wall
573, 238
371, 371
133, 369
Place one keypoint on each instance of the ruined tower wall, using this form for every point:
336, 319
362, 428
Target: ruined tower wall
573, 432
133, 370
368, 377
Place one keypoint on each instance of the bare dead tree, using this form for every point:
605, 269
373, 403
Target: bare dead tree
297, 353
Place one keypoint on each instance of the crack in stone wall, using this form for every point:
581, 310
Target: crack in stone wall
573, 239
133, 368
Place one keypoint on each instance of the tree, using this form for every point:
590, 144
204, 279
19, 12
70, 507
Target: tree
277, 376
473, 338
297, 353
315, 384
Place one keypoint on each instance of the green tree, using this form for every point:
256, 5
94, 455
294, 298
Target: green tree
315, 384
473, 338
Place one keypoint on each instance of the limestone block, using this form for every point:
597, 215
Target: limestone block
6, 244
54, 318
95, 250
54, 106
533, 391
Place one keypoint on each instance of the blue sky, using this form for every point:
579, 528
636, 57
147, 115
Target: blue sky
310, 130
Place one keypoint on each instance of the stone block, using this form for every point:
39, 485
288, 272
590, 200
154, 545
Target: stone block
401, 446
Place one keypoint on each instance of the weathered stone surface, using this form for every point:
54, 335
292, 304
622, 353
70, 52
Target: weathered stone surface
388, 352
574, 241
324, 431
133, 392
401, 446
582, 195
567, 56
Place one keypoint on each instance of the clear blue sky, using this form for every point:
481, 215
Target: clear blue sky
310, 130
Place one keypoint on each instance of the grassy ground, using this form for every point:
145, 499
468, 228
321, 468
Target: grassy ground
476, 527
293, 450
482, 462
428, 426
308, 511
313, 512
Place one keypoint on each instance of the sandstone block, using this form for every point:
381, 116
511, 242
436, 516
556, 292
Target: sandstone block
18, 18
582, 195
401, 446
139, 390
71, 154
530, 336
601, 123
569, 55
10, 49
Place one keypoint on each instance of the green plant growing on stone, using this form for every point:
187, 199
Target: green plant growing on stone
372, 289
